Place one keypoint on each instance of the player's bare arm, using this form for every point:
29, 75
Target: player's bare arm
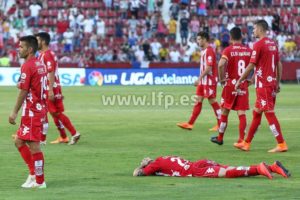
249, 68
20, 99
204, 73
221, 65
51, 78
278, 76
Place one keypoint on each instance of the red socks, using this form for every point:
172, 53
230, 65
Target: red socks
38, 160
242, 127
217, 111
274, 126
26, 155
60, 127
223, 126
254, 125
241, 172
67, 123
196, 112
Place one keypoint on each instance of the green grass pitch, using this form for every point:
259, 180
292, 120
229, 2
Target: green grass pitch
116, 138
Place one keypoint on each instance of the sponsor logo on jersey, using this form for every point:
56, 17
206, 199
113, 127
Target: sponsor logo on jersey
210, 171
25, 130
23, 75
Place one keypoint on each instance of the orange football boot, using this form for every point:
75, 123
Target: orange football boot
60, 140
215, 128
242, 146
282, 147
185, 125
262, 169
278, 168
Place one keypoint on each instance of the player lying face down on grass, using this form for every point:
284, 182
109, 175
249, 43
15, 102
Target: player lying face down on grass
177, 166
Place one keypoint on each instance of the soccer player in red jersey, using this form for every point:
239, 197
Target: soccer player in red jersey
179, 167
231, 66
55, 99
32, 95
268, 69
207, 82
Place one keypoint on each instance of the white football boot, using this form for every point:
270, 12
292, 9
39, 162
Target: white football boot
29, 181
74, 138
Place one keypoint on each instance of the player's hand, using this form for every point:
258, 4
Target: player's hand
250, 82
277, 89
223, 82
146, 162
51, 96
196, 83
237, 85
12, 118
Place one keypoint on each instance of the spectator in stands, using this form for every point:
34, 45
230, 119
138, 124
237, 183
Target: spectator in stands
224, 17
146, 48
194, 26
161, 28
268, 3
100, 26
4, 60
139, 54
88, 25
93, 44
68, 40
195, 57
281, 38
201, 8
289, 45
215, 29
142, 8
230, 24
108, 56
225, 37
151, 6
119, 28
146, 28
172, 29
132, 39
77, 37
66, 58
132, 23
184, 2
184, 29
295, 26
34, 13
124, 8
276, 22
61, 27
122, 57
230, 4
174, 54
155, 46
174, 10
18, 22
163, 53
134, 7
108, 4
6, 27
159, 4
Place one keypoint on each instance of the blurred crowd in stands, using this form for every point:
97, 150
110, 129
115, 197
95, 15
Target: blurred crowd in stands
143, 30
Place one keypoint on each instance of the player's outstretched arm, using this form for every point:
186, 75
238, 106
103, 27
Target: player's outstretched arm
221, 73
20, 99
51, 78
278, 76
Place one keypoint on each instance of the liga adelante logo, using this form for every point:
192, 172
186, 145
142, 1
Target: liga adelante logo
95, 78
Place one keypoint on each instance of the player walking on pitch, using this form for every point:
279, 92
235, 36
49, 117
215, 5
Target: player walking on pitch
32, 95
207, 82
232, 64
268, 69
55, 100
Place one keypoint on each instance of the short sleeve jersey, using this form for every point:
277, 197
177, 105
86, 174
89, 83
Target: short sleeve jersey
33, 78
208, 58
169, 166
265, 57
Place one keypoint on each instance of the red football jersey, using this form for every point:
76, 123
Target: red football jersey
238, 57
33, 79
169, 166
49, 59
265, 56
208, 58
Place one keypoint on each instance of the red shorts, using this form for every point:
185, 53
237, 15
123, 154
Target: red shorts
207, 91
207, 168
31, 128
265, 98
56, 106
233, 100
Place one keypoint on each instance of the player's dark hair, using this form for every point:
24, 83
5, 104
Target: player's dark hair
236, 33
30, 41
44, 36
203, 34
263, 24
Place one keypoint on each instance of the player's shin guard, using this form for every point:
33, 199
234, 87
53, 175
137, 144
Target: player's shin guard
223, 126
274, 126
217, 110
242, 127
27, 157
60, 127
67, 123
254, 126
241, 172
196, 112
38, 160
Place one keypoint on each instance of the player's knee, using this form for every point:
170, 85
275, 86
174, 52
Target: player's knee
19, 143
211, 101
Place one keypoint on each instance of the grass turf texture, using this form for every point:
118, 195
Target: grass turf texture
116, 138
